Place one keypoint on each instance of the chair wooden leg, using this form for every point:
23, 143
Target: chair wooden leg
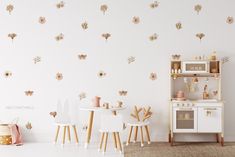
115, 140
75, 133
89, 129
147, 133
129, 137
101, 141
69, 137
106, 139
142, 136
119, 141
136, 132
64, 135
57, 133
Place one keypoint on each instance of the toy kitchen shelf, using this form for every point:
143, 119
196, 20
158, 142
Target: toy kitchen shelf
196, 104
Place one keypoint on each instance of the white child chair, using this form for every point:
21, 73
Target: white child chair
110, 124
66, 118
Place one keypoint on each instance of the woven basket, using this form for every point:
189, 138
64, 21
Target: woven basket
5, 134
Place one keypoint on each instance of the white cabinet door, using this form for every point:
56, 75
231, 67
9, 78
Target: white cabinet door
209, 119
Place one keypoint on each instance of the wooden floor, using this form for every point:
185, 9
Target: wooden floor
180, 150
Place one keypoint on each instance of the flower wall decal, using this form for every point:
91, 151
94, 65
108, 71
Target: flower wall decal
131, 59
122, 93
198, 8
59, 76
37, 59
12, 36
61, 4
59, 37
10, 8
7, 74
29, 93
136, 20
42, 20
153, 76
82, 95
106, 36
200, 35
229, 20
84, 25
82, 56
178, 25
153, 37
28, 126
153, 5
103, 8
101, 74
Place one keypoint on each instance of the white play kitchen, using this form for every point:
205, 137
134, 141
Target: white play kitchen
196, 104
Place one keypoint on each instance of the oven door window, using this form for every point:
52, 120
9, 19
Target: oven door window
184, 119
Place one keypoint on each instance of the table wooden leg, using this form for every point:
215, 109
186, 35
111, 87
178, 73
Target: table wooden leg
222, 140
142, 136
75, 133
129, 137
89, 129
136, 132
69, 137
217, 137
119, 141
115, 140
147, 133
57, 133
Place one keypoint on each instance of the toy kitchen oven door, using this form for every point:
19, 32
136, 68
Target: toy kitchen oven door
184, 119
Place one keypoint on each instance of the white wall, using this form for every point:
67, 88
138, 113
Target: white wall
127, 39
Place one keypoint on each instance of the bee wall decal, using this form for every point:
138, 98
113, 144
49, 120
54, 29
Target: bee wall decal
153, 76
42, 20
153, 5
59, 37
59, 76
82, 95
37, 59
53, 114
82, 56
7, 74
59, 5
136, 20
200, 35
84, 25
153, 37
103, 8
178, 25
29, 93
101, 74
198, 8
131, 59
12, 36
122, 92
28, 126
106, 36
10, 8
229, 20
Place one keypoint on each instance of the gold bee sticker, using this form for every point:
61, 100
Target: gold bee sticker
37, 59
7, 74
84, 25
130, 59
122, 93
82, 95
10, 8
198, 8
200, 35
136, 20
59, 37
60, 5
28, 126
42, 20
53, 114
153, 5
82, 56
103, 8
153, 76
153, 37
106, 36
101, 74
29, 93
12, 36
59, 76
178, 25
229, 20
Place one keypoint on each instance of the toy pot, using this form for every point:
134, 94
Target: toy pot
96, 101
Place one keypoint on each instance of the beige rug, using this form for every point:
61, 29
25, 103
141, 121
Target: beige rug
180, 150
